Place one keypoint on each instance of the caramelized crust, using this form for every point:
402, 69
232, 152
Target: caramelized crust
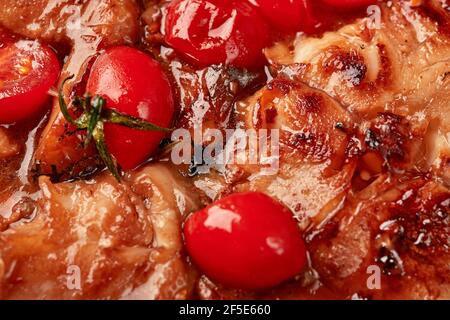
123, 239
403, 228
398, 66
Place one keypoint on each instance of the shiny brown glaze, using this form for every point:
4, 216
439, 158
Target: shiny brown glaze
364, 160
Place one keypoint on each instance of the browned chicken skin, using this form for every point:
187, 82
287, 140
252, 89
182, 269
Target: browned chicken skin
364, 162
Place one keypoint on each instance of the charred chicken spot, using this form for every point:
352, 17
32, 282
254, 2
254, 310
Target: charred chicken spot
307, 121
313, 146
310, 103
303, 137
389, 134
371, 139
391, 234
349, 64
284, 86
430, 228
445, 76
271, 114
390, 261
424, 217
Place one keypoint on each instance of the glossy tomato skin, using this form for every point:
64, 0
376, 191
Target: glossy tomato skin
28, 69
210, 32
312, 21
5, 38
135, 84
285, 15
245, 241
349, 4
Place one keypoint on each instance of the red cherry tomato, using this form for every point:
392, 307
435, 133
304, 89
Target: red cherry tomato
349, 4
27, 71
246, 241
134, 84
285, 15
217, 31
311, 20
5, 38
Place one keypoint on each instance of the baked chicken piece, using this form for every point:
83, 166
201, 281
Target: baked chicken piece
99, 239
401, 225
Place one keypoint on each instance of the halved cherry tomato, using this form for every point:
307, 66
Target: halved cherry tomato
210, 32
134, 84
27, 71
285, 15
349, 4
246, 241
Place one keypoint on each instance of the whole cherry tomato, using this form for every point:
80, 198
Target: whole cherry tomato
311, 20
28, 69
210, 32
246, 241
134, 84
349, 4
285, 15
